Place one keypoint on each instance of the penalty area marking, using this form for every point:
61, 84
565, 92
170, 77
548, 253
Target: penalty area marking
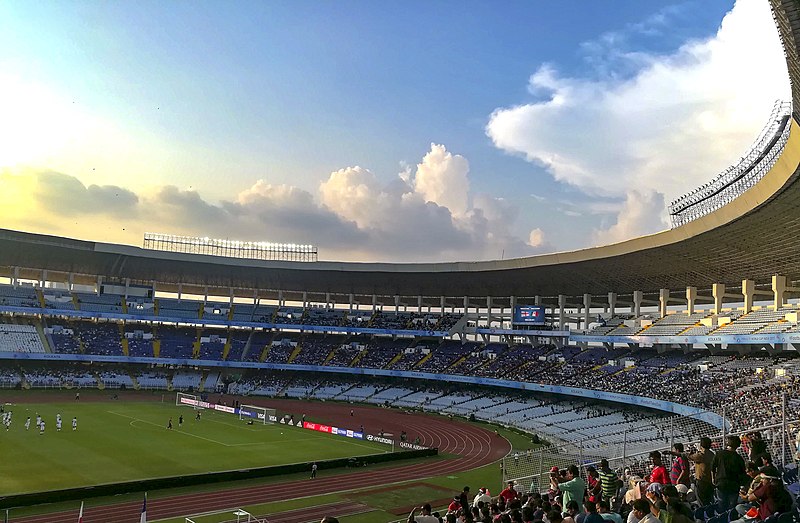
184, 433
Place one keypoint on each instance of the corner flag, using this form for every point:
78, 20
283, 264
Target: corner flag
143, 519
80, 515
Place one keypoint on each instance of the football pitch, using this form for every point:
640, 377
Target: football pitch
124, 441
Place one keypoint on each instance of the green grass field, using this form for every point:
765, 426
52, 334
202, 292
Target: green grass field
122, 441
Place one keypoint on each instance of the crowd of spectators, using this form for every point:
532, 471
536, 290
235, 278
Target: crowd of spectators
735, 482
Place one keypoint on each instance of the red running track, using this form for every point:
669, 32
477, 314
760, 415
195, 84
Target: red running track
474, 445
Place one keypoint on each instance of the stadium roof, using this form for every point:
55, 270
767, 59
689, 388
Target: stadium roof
755, 236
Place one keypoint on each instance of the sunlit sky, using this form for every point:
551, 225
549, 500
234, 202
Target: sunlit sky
410, 131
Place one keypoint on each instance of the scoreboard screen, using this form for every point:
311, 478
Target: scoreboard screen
529, 315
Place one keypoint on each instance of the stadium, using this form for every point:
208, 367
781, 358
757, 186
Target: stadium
252, 382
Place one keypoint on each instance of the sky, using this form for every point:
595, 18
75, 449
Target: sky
408, 131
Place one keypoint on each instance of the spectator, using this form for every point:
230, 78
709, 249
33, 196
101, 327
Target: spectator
424, 517
679, 473
604, 509
572, 487
659, 472
509, 492
728, 473
704, 487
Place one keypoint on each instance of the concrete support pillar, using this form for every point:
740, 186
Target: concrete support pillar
128, 285
442, 305
15, 278
587, 304
663, 301
466, 305
205, 293
638, 298
396, 304
778, 290
153, 283
748, 290
180, 291
488, 310
328, 300
612, 303
44, 279
351, 302
374, 303
280, 298
718, 292
691, 296
513, 304
537, 300
305, 299
230, 295
562, 315
99, 285
71, 278
419, 304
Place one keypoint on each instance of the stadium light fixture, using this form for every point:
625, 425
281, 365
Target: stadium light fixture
230, 248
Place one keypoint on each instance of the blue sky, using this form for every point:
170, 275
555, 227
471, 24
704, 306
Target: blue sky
290, 121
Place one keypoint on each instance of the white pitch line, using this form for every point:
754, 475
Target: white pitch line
176, 431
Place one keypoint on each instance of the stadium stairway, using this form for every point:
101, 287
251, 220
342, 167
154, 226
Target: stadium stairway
155, 307
48, 347
40, 298
330, 355
394, 360
248, 345
359, 357
99, 380
196, 342
265, 350
344, 392
123, 340
201, 387
226, 349
422, 360
156, 347
76, 303
135, 382
457, 362
124, 304
295, 352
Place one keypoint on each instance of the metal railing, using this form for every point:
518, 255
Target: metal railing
735, 180
629, 449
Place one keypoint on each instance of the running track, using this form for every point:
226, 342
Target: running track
474, 445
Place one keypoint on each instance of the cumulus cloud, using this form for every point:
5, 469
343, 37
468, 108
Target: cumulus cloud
442, 178
659, 128
536, 237
354, 216
641, 213
71, 196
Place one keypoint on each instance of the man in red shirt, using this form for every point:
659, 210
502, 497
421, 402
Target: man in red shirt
509, 493
659, 473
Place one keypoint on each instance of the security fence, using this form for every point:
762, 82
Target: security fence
627, 450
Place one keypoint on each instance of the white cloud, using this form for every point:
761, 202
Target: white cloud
354, 216
536, 237
668, 127
442, 178
642, 213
